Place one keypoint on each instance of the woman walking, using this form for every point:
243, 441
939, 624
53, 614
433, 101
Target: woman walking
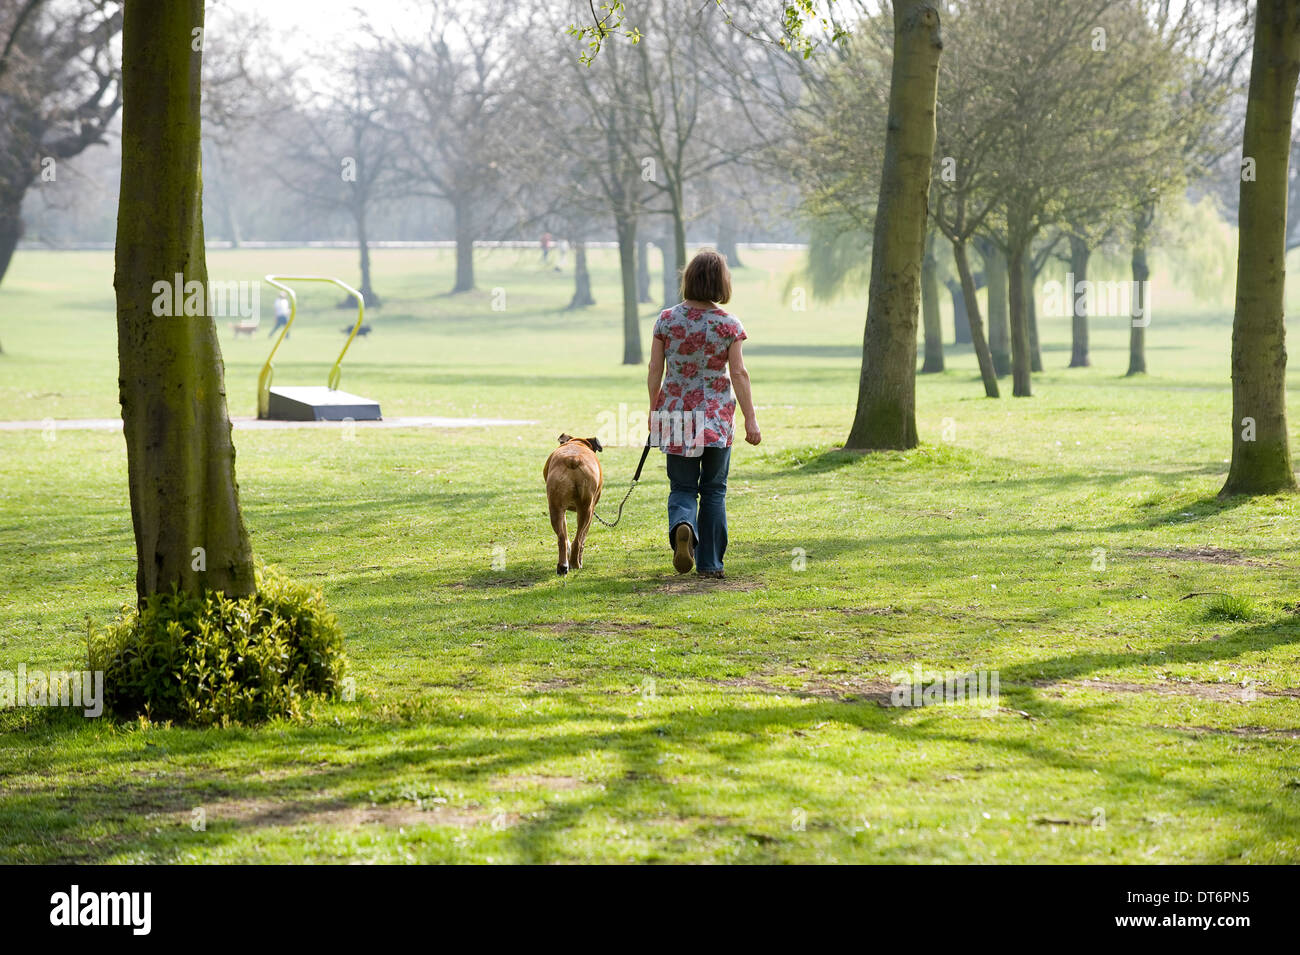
693, 407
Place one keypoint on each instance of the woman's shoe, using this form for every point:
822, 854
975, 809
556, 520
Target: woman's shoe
683, 549
712, 574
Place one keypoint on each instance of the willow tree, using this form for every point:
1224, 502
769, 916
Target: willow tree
886, 412
189, 531
1261, 457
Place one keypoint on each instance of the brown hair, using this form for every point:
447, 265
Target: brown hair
707, 278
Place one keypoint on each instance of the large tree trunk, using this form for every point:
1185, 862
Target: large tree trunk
1078, 305
727, 240
1031, 313
976, 326
961, 324
643, 271
189, 531
581, 277
930, 312
625, 227
363, 244
679, 232
11, 230
225, 206
672, 281
886, 412
1261, 455
464, 247
1021, 363
995, 267
232, 224
1137, 351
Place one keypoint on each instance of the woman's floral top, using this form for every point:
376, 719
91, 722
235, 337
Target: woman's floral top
696, 408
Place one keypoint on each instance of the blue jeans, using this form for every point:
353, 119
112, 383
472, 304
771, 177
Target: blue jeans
704, 478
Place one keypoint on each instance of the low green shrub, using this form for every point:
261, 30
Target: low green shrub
213, 660
1229, 607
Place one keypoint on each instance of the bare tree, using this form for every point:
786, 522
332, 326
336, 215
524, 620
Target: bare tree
338, 151
459, 113
681, 112
247, 86
59, 90
585, 122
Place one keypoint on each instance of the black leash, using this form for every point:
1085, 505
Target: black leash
635, 478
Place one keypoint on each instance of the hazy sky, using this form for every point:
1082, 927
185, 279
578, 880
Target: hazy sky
321, 23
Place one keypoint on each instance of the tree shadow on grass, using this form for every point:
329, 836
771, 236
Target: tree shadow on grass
738, 771
1277, 633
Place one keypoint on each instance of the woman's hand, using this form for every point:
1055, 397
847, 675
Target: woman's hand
752, 434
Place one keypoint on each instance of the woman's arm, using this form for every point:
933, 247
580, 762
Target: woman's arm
655, 378
744, 396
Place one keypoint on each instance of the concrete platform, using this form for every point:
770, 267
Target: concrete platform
318, 403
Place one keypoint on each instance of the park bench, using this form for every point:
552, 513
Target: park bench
245, 326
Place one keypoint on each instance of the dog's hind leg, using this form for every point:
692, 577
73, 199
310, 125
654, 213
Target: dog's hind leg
562, 537
580, 533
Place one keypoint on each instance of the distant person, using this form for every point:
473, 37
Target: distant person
546, 246
281, 313
693, 407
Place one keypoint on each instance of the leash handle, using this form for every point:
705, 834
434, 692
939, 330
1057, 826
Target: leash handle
645, 452
640, 464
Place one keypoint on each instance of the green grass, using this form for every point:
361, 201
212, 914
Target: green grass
625, 714
1230, 607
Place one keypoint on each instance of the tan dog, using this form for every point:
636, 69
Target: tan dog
573, 483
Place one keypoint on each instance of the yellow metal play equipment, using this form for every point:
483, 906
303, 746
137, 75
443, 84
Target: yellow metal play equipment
313, 402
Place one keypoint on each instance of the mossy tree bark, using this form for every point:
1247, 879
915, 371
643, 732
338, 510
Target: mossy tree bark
1021, 359
581, 277
727, 240
11, 230
995, 268
975, 326
1079, 255
643, 270
930, 323
625, 229
363, 246
678, 206
960, 322
11, 227
189, 531
672, 285
886, 411
464, 216
622, 193
1261, 455
1031, 314
1137, 337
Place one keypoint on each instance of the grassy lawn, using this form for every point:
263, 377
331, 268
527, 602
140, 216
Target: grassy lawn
624, 713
